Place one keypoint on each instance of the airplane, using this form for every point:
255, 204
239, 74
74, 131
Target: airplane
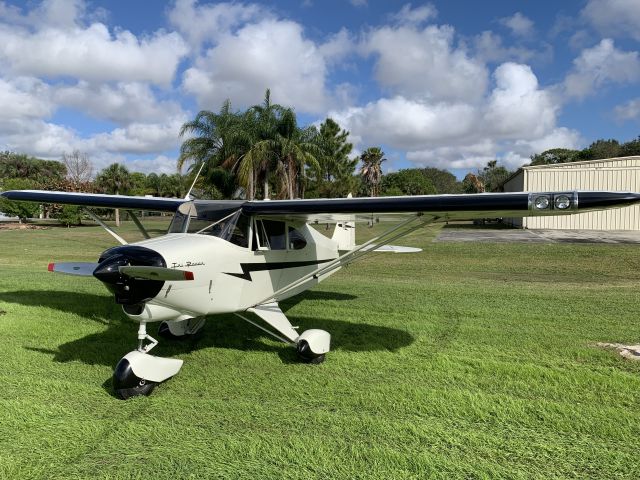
244, 257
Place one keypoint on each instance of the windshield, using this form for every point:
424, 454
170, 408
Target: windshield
228, 224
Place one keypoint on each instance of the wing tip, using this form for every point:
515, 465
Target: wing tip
51, 267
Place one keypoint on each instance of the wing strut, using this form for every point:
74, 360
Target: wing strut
106, 227
138, 223
400, 230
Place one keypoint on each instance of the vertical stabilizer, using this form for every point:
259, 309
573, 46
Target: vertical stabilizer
345, 234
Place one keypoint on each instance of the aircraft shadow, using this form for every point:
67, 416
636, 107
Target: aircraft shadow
222, 331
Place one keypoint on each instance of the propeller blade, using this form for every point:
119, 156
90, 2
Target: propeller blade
155, 273
84, 269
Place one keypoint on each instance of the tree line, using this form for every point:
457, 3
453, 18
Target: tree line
599, 149
262, 152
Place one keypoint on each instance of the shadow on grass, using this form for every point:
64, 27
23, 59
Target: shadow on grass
222, 331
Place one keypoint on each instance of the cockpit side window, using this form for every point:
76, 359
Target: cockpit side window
270, 235
276, 235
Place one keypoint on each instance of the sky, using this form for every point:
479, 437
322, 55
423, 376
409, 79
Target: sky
449, 84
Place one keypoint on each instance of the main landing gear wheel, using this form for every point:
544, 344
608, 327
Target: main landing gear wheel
165, 332
126, 384
179, 330
306, 355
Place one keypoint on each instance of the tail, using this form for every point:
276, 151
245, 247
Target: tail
345, 234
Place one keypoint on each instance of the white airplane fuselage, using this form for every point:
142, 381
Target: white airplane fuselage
229, 278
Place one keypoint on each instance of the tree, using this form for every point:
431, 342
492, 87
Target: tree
472, 184
217, 141
265, 122
554, 156
371, 170
493, 175
43, 172
114, 179
334, 175
601, 149
630, 148
410, 181
22, 210
79, 167
442, 180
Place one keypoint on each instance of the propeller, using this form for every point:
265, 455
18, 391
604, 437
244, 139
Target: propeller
133, 273
155, 273
84, 269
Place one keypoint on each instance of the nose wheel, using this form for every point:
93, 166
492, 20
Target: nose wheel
127, 384
138, 373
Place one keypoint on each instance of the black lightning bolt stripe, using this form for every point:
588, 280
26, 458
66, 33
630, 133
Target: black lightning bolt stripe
247, 268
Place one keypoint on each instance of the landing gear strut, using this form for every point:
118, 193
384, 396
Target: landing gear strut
137, 373
311, 345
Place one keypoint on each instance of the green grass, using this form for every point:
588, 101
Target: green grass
463, 361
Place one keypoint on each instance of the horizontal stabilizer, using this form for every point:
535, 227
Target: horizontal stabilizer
83, 269
397, 249
156, 273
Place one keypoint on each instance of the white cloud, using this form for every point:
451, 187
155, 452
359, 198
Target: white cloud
24, 98
48, 140
139, 138
90, 53
517, 108
38, 138
628, 111
358, 3
561, 137
58, 13
518, 116
415, 16
424, 63
599, 65
407, 124
122, 103
518, 24
208, 22
614, 17
470, 156
270, 54
160, 164
489, 47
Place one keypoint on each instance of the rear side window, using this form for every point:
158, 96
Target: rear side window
296, 239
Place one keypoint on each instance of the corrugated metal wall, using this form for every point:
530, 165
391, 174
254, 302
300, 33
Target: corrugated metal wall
616, 174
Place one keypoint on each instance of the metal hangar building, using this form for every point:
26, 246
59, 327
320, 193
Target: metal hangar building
613, 174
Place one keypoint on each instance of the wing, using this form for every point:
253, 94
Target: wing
96, 200
441, 207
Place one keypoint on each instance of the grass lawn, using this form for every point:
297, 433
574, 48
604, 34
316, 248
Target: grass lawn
463, 361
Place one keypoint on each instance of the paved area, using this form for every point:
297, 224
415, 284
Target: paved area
477, 234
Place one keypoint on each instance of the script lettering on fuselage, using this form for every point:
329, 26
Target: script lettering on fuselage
186, 264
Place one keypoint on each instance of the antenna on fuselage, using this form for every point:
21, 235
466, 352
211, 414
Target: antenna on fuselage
194, 182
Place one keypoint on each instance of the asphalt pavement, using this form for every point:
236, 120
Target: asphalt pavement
458, 233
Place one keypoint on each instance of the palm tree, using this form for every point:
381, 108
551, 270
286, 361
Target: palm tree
216, 139
371, 170
296, 150
114, 179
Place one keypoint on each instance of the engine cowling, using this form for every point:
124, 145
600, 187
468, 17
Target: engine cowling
127, 290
